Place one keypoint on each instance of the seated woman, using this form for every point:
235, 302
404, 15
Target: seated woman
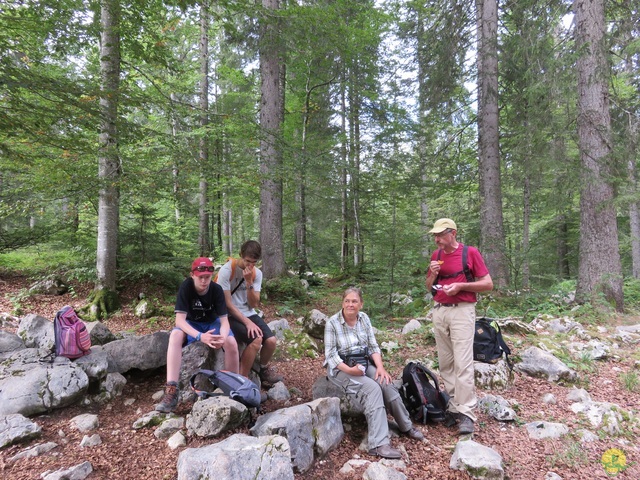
345, 332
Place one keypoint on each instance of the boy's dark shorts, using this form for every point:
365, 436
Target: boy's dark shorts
240, 331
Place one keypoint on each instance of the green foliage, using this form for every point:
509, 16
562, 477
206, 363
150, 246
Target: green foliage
630, 381
284, 288
300, 345
570, 454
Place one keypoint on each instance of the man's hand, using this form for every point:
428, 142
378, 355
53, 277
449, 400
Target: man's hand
452, 289
253, 331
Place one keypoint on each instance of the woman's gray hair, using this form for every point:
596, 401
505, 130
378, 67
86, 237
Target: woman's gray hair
355, 290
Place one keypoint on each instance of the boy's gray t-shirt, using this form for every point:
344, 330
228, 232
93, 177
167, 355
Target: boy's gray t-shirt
239, 298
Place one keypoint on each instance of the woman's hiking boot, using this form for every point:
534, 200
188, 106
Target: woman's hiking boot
170, 399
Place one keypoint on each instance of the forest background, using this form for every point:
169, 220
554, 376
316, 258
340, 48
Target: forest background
137, 135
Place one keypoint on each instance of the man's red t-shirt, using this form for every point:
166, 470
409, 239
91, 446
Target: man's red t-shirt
452, 263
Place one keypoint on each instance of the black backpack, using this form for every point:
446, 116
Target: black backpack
488, 344
234, 385
421, 394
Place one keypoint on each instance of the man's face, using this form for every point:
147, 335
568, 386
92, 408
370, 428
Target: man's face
249, 262
201, 282
444, 239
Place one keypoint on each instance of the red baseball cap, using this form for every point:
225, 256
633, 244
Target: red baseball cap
202, 266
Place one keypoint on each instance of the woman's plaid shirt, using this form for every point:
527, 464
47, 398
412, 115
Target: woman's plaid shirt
340, 338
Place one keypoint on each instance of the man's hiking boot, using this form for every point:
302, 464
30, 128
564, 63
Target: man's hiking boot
170, 399
269, 376
466, 425
451, 419
385, 451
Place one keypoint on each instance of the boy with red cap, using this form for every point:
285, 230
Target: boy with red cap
201, 316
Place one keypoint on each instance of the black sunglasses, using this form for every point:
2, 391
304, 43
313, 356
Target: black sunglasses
204, 269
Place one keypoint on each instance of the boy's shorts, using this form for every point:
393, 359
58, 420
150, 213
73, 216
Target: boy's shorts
202, 328
240, 330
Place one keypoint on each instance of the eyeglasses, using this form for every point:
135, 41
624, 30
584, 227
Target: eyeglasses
204, 269
442, 234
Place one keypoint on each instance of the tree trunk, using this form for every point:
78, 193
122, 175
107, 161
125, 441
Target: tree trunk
344, 244
204, 239
599, 269
105, 299
271, 120
492, 231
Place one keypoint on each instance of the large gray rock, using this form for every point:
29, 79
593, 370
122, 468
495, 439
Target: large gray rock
327, 424
77, 472
296, 425
313, 324
278, 327
99, 333
538, 363
29, 387
146, 352
49, 286
497, 407
210, 417
239, 457
95, 364
377, 471
10, 342
604, 416
539, 430
493, 376
197, 356
324, 388
16, 428
36, 332
477, 460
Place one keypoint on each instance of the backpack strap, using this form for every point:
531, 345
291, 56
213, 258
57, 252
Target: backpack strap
465, 267
202, 393
505, 347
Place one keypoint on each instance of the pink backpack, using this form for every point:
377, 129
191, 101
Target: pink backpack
71, 334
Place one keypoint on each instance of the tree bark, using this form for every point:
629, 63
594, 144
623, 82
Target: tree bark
204, 239
492, 231
599, 269
108, 158
271, 120
104, 299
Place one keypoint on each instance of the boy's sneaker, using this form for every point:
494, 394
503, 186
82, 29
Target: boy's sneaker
170, 399
268, 375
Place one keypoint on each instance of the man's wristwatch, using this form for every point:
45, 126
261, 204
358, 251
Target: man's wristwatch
250, 287
198, 337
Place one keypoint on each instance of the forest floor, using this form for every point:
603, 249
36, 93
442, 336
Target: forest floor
137, 454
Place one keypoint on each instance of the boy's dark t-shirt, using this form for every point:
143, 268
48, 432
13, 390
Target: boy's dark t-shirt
201, 308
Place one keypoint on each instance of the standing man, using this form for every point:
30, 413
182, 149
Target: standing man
201, 316
241, 281
454, 316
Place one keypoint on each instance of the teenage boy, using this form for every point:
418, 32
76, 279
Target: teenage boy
241, 281
201, 316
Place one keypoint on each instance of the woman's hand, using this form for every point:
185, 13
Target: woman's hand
356, 371
382, 377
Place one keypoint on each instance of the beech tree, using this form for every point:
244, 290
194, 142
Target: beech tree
105, 299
